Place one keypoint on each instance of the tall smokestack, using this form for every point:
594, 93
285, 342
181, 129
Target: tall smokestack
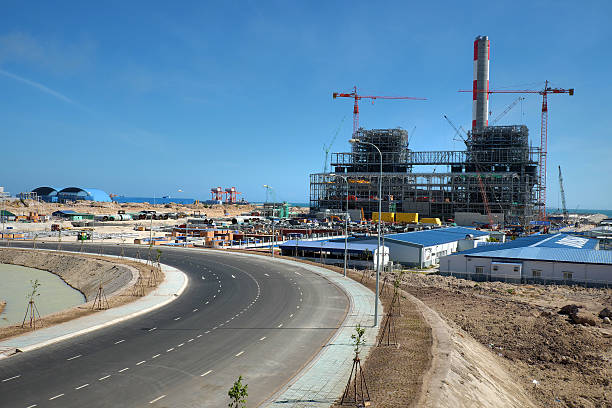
480, 100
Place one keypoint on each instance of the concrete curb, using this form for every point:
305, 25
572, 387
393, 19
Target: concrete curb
170, 289
322, 380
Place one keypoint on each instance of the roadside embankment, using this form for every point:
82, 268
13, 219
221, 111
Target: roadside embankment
85, 273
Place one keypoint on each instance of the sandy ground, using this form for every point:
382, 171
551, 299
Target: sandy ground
517, 328
123, 280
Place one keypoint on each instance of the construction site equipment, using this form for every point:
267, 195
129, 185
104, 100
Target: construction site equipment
435, 221
565, 214
358, 97
231, 195
216, 193
407, 218
386, 216
541, 189
508, 109
327, 148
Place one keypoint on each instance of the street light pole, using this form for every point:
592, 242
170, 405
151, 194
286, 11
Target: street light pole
186, 222
345, 220
379, 218
273, 205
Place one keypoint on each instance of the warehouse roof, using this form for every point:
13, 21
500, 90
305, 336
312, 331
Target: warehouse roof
328, 246
590, 256
559, 241
435, 236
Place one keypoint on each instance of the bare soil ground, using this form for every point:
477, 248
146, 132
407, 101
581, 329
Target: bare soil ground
128, 293
571, 363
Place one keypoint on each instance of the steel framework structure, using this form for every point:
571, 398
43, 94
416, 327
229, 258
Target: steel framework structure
500, 154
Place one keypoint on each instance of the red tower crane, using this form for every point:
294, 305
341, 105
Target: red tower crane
543, 135
357, 97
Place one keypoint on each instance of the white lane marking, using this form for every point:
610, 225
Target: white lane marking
152, 329
218, 290
181, 345
221, 325
141, 362
206, 303
239, 354
206, 373
266, 274
12, 378
300, 299
120, 341
291, 315
203, 277
190, 340
206, 332
195, 310
199, 335
57, 396
123, 369
263, 338
155, 356
177, 318
72, 358
233, 277
81, 386
103, 378
156, 399
280, 325
298, 306
227, 321
297, 273
214, 296
32, 406
169, 350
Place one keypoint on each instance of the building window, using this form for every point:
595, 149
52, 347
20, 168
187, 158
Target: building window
536, 273
568, 275
480, 269
516, 269
494, 267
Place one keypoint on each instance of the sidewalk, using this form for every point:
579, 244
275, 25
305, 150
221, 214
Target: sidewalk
173, 286
323, 380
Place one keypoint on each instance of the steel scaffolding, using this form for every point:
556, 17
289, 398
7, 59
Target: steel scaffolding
500, 154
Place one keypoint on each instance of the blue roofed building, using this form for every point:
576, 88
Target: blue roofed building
549, 258
424, 248
331, 252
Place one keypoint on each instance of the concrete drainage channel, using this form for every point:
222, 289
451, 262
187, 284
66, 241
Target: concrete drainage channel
169, 290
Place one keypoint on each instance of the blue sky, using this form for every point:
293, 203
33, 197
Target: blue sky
143, 98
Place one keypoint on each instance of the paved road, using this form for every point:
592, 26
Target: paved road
238, 316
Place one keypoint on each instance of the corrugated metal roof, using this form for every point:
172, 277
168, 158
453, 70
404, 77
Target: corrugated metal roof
559, 241
328, 246
436, 236
590, 256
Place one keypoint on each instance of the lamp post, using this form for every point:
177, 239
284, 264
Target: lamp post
186, 223
353, 141
267, 187
345, 220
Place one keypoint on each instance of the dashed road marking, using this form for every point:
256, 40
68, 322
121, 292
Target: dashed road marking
280, 325
291, 315
120, 341
233, 277
103, 378
155, 356
11, 378
72, 358
263, 338
57, 396
190, 340
266, 274
206, 303
141, 362
156, 399
123, 369
195, 310
170, 349
239, 354
206, 373
199, 335
153, 328
177, 318
81, 386
181, 345
32, 406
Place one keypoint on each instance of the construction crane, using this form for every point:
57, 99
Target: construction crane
543, 135
327, 148
483, 193
508, 109
565, 214
358, 97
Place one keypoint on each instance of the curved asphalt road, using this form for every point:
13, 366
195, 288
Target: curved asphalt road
238, 316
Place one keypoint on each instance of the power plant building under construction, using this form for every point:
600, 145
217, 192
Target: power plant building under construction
495, 177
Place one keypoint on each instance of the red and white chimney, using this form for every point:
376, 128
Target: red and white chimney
480, 93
